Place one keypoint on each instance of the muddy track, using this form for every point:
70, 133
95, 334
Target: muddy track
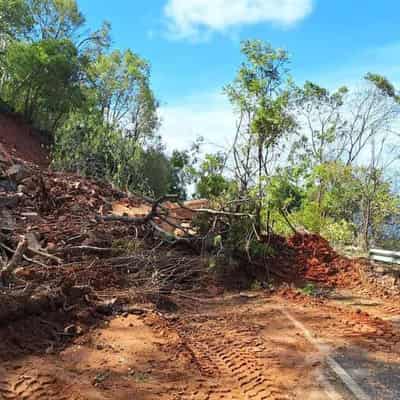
33, 386
233, 363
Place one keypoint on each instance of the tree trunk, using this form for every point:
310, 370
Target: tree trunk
366, 224
260, 192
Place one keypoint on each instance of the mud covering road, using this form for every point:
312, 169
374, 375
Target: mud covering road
239, 347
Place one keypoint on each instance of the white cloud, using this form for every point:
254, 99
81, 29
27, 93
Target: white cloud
194, 18
204, 114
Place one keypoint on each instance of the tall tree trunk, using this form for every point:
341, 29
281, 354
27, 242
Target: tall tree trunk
366, 224
260, 191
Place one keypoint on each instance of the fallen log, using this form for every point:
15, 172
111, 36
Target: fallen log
84, 250
137, 220
45, 255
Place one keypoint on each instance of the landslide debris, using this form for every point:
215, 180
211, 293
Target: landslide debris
71, 242
57, 248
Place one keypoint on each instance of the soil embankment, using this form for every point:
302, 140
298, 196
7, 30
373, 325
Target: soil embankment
19, 140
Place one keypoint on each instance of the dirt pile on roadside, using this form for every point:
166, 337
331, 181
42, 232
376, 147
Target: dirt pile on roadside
318, 261
309, 257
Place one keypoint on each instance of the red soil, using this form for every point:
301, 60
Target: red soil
19, 140
310, 257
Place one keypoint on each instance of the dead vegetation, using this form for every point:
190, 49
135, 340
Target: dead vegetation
66, 239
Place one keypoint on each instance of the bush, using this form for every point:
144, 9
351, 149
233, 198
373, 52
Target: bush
338, 233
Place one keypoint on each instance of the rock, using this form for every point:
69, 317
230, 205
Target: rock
22, 189
18, 172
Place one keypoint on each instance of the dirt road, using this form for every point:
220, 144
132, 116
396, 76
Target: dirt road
243, 347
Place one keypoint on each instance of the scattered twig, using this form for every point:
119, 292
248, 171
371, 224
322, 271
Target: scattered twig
45, 255
8, 270
79, 250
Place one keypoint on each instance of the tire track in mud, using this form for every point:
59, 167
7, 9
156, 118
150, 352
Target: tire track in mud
34, 386
232, 363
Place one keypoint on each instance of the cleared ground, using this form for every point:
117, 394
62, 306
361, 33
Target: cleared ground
242, 346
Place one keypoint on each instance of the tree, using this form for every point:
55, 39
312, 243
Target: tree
44, 59
42, 81
319, 114
120, 84
181, 173
55, 19
15, 20
373, 111
341, 125
211, 182
260, 96
377, 203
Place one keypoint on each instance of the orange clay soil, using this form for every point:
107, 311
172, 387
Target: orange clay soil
233, 347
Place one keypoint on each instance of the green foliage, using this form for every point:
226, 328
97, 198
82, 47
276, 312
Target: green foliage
333, 187
339, 233
260, 94
211, 182
283, 193
43, 81
120, 86
55, 19
342, 203
84, 145
15, 20
383, 84
156, 172
183, 169
309, 290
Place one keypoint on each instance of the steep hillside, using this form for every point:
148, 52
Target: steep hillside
19, 140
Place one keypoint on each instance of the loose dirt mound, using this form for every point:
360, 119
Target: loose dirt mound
309, 257
317, 261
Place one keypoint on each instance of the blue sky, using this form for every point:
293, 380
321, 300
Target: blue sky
194, 48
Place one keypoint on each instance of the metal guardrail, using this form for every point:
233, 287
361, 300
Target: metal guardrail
385, 256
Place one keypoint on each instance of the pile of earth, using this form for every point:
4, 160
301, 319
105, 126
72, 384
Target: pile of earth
308, 257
